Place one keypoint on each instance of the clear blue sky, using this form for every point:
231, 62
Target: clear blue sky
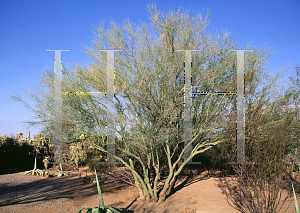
29, 28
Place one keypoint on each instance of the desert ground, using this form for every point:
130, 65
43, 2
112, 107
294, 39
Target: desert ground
194, 190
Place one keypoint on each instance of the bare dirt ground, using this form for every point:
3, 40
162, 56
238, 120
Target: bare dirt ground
194, 190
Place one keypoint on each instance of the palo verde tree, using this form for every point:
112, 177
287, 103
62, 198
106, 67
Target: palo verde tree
149, 76
149, 94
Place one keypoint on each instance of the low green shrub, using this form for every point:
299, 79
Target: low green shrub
101, 168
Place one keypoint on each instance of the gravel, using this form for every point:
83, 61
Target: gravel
25, 193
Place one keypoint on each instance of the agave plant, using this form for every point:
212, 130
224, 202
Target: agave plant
61, 172
101, 208
35, 170
295, 201
295, 198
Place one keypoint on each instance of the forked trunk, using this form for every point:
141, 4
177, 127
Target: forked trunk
171, 185
162, 197
174, 180
154, 199
142, 195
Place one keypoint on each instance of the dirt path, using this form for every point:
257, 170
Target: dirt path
19, 193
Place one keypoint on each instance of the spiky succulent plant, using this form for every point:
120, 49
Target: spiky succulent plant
101, 208
61, 172
35, 170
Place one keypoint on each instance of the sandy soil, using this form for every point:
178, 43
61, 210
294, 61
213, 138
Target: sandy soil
194, 190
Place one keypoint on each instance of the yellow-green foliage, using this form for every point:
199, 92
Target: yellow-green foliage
78, 153
3, 139
41, 143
